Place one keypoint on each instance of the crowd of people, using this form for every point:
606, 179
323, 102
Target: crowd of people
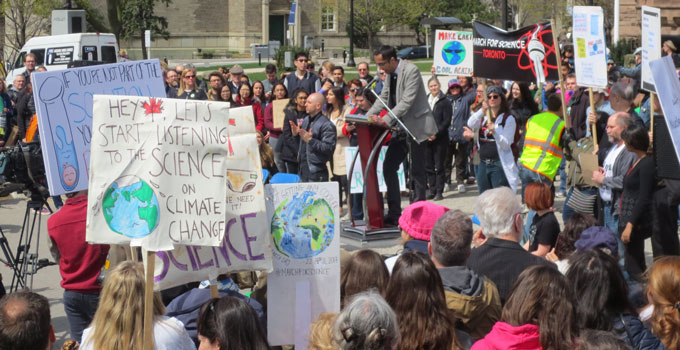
520, 281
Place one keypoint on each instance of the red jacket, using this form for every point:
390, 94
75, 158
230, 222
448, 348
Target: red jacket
258, 114
506, 337
80, 262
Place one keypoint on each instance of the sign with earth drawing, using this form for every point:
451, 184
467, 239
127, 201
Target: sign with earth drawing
305, 239
453, 53
167, 172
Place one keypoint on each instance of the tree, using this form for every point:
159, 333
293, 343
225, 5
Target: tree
25, 19
370, 16
138, 16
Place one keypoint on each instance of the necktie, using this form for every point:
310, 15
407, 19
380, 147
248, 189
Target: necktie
393, 90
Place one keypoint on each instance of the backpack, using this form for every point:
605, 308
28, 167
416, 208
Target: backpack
515, 141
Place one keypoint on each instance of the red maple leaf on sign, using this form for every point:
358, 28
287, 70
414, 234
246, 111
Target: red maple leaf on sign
154, 106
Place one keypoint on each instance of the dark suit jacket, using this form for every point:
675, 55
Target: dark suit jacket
502, 261
412, 107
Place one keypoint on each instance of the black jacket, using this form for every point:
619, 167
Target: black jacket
25, 110
288, 145
460, 106
442, 111
631, 330
319, 149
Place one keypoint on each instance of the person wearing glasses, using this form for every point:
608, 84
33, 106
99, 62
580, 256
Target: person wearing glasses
301, 78
404, 94
497, 166
364, 73
188, 89
354, 86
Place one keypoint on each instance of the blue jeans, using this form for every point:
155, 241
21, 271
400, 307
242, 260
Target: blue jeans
527, 176
563, 177
80, 309
490, 175
611, 221
357, 206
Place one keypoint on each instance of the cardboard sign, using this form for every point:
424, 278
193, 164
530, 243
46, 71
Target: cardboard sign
63, 102
651, 44
277, 111
590, 49
453, 53
668, 89
526, 54
168, 172
306, 256
357, 185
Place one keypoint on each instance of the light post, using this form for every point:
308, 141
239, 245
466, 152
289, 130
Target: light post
350, 62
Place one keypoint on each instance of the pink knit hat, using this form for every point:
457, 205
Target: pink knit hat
418, 219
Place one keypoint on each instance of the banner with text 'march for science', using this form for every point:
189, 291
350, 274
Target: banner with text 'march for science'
526, 54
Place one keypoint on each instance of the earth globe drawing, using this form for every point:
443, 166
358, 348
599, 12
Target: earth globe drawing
130, 207
303, 226
453, 52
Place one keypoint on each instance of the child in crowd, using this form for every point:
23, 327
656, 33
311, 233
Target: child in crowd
663, 293
230, 323
544, 227
564, 246
416, 224
364, 271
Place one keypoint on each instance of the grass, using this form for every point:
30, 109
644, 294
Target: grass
243, 65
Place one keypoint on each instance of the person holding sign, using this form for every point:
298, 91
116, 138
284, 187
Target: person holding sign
497, 166
279, 92
118, 322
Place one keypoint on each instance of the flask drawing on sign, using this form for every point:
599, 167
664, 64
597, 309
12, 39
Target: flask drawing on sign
51, 95
537, 54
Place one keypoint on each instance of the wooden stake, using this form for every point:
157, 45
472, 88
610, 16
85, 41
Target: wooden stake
651, 113
486, 99
594, 125
559, 75
133, 252
148, 302
214, 293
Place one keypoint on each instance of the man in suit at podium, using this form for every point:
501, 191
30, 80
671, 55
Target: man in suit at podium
404, 93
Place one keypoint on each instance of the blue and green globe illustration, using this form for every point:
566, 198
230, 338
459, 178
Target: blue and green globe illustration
130, 207
453, 52
303, 226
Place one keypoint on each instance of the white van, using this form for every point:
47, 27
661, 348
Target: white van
55, 52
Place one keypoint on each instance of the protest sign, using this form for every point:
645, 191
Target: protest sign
453, 53
306, 257
668, 89
63, 102
357, 185
526, 54
590, 49
277, 112
651, 44
167, 172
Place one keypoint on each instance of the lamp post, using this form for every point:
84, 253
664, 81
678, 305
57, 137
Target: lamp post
350, 62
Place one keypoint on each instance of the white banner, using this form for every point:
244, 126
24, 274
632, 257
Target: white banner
453, 53
668, 89
357, 185
63, 103
590, 49
168, 172
305, 237
651, 43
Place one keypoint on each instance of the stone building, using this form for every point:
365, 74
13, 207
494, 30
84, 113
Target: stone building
630, 17
231, 26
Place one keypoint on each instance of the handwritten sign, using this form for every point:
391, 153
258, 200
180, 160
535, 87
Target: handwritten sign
668, 89
651, 44
590, 58
357, 185
63, 102
453, 53
305, 255
277, 112
245, 247
168, 171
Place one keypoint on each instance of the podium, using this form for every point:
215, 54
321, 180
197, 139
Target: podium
371, 137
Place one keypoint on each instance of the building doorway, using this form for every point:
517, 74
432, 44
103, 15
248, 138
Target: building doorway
277, 28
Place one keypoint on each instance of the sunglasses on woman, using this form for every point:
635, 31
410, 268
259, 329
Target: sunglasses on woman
493, 97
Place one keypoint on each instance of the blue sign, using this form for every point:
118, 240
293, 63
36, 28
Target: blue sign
291, 17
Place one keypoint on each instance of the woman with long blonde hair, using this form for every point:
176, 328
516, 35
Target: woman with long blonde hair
118, 323
663, 292
188, 88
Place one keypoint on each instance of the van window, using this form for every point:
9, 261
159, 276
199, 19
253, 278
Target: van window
59, 55
89, 53
20, 60
39, 56
108, 54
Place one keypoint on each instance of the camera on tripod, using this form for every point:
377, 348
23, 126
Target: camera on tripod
23, 168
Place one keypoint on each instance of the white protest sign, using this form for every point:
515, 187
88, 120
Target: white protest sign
167, 172
357, 185
306, 258
63, 102
453, 53
651, 43
245, 247
668, 89
590, 49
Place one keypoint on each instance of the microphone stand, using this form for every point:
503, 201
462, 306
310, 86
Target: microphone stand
370, 88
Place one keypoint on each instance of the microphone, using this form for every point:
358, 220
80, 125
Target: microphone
373, 81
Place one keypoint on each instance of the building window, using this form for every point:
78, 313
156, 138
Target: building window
328, 18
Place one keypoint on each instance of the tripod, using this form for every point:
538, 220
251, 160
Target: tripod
24, 263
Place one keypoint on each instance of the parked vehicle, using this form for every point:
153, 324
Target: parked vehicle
412, 52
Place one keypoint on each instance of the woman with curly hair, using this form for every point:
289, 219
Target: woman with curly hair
663, 292
416, 294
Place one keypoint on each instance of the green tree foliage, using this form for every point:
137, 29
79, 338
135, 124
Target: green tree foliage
136, 16
95, 20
